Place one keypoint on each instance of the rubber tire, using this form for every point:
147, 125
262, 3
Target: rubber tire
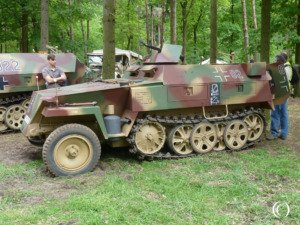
37, 142
61, 132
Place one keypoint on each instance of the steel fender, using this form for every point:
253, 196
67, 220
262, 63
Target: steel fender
77, 111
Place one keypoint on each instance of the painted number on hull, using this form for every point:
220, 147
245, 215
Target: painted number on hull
215, 94
9, 65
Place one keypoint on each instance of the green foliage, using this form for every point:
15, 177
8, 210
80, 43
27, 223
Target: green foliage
130, 26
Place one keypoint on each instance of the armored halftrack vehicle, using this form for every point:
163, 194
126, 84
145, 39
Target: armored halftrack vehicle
160, 110
20, 74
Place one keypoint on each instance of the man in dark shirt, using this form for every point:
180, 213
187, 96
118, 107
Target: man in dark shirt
53, 75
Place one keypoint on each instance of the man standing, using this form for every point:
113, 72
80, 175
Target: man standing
53, 75
279, 116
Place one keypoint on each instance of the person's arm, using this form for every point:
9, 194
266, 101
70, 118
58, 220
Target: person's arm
47, 77
50, 80
62, 77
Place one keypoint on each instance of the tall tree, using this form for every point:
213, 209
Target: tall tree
173, 22
71, 28
185, 13
255, 55
44, 25
265, 30
213, 31
147, 19
245, 29
24, 27
108, 69
162, 23
128, 18
195, 29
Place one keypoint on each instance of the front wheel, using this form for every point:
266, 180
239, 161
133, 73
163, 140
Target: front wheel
71, 150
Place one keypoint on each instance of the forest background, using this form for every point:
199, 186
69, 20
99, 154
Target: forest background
76, 26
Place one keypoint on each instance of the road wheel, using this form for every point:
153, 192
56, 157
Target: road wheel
3, 126
71, 150
256, 126
179, 140
220, 145
203, 137
236, 134
14, 116
150, 138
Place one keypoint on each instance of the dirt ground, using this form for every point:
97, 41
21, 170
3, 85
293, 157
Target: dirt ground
15, 149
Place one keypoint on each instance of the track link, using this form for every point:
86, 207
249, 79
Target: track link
170, 121
16, 99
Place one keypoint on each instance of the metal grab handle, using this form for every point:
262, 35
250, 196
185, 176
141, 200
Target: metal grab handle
215, 117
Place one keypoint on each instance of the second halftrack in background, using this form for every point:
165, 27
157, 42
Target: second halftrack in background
20, 74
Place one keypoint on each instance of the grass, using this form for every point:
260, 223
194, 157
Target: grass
217, 188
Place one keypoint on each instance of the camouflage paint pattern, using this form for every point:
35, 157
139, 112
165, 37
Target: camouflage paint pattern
162, 87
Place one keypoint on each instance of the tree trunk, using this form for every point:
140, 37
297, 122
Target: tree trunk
265, 30
254, 15
185, 13
195, 29
297, 57
162, 23
147, 25
152, 26
245, 29
24, 28
44, 25
173, 21
35, 32
129, 39
184, 29
213, 31
255, 54
231, 51
87, 35
71, 29
108, 69
83, 37
128, 18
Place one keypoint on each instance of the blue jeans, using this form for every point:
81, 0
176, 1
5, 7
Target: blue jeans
280, 120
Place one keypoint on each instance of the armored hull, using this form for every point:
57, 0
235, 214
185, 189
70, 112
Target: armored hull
159, 110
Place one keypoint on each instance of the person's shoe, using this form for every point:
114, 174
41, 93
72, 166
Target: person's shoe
270, 137
282, 137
